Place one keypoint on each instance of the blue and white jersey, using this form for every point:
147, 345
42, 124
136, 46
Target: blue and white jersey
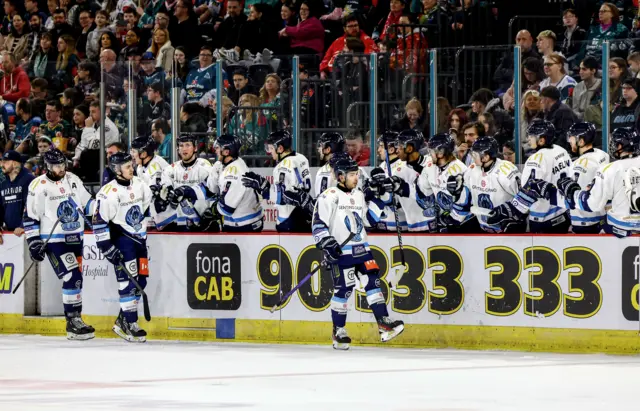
239, 205
291, 172
49, 201
325, 179
583, 171
152, 172
200, 85
431, 186
564, 86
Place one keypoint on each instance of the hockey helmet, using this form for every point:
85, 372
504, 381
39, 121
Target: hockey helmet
542, 128
229, 142
344, 166
280, 138
188, 138
144, 143
583, 130
628, 140
442, 143
389, 139
54, 157
119, 159
486, 145
414, 138
332, 140
340, 155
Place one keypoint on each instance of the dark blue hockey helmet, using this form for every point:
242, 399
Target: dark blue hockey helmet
442, 143
229, 142
341, 155
486, 145
332, 140
343, 166
542, 128
188, 138
118, 159
624, 140
412, 138
280, 138
583, 130
389, 139
144, 143
54, 157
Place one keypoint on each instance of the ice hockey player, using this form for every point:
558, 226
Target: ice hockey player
290, 174
339, 212
239, 205
120, 228
411, 141
488, 182
550, 162
149, 165
328, 145
52, 210
609, 185
442, 171
183, 190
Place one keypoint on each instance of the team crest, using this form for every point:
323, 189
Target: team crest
352, 201
134, 217
61, 190
68, 216
185, 177
132, 195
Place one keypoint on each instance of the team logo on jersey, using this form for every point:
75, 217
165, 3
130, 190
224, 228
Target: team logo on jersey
61, 190
185, 176
359, 226
68, 216
352, 201
483, 183
444, 201
134, 217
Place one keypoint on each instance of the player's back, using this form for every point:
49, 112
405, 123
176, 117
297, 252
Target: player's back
324, 179
583, 171
243, 200
620, 214
548, 164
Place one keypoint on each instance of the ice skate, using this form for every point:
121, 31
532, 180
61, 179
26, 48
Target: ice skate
77, 329
130, 332
389, 329
340, 338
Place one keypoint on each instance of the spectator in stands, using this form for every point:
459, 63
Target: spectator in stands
94, 36
634, 64
80, 115
436, 17
13, 192
75, 12
17, 42
388, 31
554, 68
113, 74
31, 7
618, 71
469, 20
185, 28
85, 81
112, 148
241, 85
471, 132
66, 63
151, 73
43, 61
148, 14
201, 82
193, 121
609, 28
131, 17
351, 27
489, 123
26, 128
456, 119
574, 36
132, 41
60, 26
258, 34
35, 32
39, 96
557, 113
228, 32
155, 107
87, 24
444, 108
288, 14
589, 91
546, 43
182, 65
413, 118
509, 151
531, 109
161, 133
270, 96
532, 76
308, 36
52, 6
54, 127
246, 125
15, 84
162, 50
109, 41
10, 10
356, 148
44, 144
69, 100
479, 101
504, 73
625, 113
410, 53
90, 139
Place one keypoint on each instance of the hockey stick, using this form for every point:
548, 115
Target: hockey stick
306, 278
33, 262
145, 299
399, 270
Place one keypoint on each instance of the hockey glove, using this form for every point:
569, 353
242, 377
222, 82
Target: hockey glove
298, 198
397, 186
504, 214
540, 188
156, 188
331, 249
37, 249
114, 256
568, 187
185, 193
172, 199
455, 184
376, 182
256, 182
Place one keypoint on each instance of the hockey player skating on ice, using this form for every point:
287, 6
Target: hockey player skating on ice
340, 211
290, 174
50, 206
623, 219
550, 162
120, 228
239, 205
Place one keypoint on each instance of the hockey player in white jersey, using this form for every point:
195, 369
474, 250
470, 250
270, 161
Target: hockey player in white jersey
239, 205
149, 165
183, 198
488, 183
411, 142
547, 212
609, 184
120, 228
290, 174
52, 210
340, 211
328, 145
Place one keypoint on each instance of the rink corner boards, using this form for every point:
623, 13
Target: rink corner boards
561, 340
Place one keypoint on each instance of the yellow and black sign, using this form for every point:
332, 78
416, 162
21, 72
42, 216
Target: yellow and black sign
214, 277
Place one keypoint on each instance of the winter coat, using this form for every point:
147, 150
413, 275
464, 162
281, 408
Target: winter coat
562, 117
93, 42
584, 97
17, 45
164, 59
308, 33
338, 47
572, 44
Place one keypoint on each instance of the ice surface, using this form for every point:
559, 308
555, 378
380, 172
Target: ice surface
46, 373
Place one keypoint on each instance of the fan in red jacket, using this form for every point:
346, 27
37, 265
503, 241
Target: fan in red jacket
351, 29
15, 83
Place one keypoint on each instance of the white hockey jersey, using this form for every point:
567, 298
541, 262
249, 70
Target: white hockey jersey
609, 185
194, 176
583, 171
325, 179
548, 164
124, 206
487, 190
337, 213
292, 171
48, 201
214, 177
388, 221
152, 172
239, 205
432, 182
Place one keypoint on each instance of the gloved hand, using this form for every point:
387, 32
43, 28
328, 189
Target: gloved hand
114, 256
37, 249
185, 193
257, 183
568, 187
397, 186
540, 188
331, 249
504, 214
377, 182
297, 197
165, 192
455, 184
172, 199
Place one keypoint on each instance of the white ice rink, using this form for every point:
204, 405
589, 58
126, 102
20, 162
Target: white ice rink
46, 373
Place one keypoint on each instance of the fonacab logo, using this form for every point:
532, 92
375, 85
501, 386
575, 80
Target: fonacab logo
214, 277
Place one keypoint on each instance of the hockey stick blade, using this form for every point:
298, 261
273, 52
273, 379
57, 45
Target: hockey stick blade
145, 300
33, 262
306, 278
480, 211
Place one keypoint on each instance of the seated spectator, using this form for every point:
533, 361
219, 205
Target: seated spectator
155, 107
23, 137
625, 113
32, 8
94, 36
388, 31
532, 76
241, 85
509, 151
608, 28
356, 148
52, 6
162, 19
288, 14
148, 14
161, 133
456, 119
271, 99
546, 43
182, 64
443, 110
201, 82
554, 68
109, 41
17, 42
228, 32
113, 74
131, 17
479, 101
36, 30
308, 36
228, 111
39, 96
574, 36
43, 61
489, 123
66, 64
44, 145
351, 27
193, 120
185, 28
75, 12
471, 132
589, 91
14, 85
132, 41
248, 4
618, 71
556, 112
60, 26
107, 173
410, 54
80, 115
634, 64
246, 125
87, 24
90, 139
70, 99
85, 81
413, 118
162, 50
504, 73
258, 33
151, 73
57, 129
